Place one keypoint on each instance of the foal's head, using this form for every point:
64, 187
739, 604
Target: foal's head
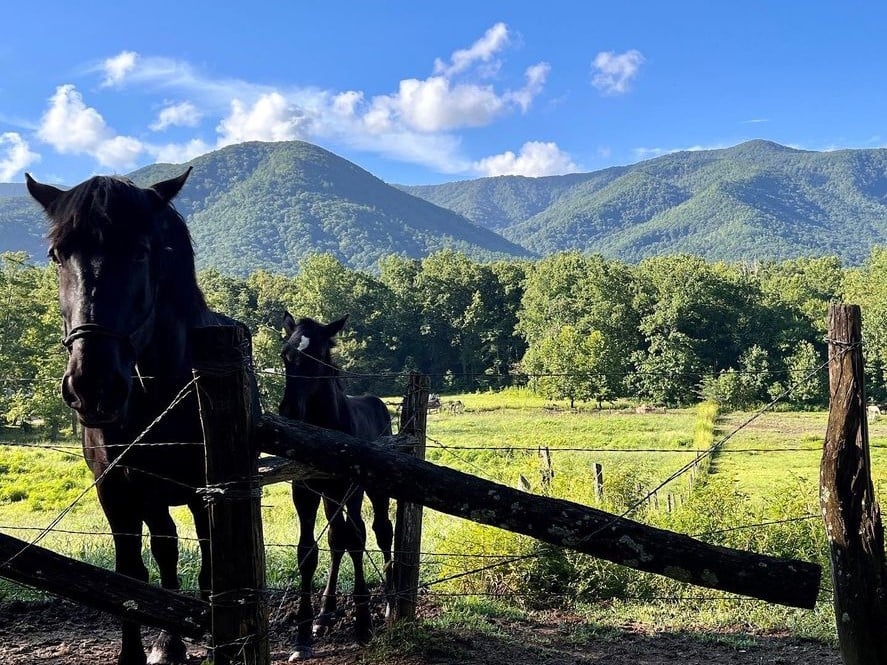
308, 361
115, 246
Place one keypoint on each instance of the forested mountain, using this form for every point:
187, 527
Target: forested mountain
268, 205
754, 200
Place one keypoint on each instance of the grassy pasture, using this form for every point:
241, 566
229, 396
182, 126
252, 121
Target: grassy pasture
497, 436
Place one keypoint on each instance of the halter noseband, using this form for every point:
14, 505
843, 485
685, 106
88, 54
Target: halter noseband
91, 329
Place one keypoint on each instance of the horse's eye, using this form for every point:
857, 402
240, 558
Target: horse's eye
54, 256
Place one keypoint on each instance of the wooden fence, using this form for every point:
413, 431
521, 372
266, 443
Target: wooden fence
237, 614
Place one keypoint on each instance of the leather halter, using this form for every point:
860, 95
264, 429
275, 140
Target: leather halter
132, 340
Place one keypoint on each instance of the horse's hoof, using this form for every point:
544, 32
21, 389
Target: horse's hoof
322, 624
168, 650
301, 653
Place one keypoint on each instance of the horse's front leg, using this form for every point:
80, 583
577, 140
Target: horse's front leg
168, 649
126, 525
307, 502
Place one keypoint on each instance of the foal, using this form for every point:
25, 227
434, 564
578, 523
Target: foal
314, 394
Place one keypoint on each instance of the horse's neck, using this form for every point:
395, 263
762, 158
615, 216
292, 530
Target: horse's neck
167, 357
328, 407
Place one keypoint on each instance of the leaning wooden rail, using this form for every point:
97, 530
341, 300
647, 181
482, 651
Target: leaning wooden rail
623, 541
102, 589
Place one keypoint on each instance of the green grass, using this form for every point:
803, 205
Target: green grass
746, 487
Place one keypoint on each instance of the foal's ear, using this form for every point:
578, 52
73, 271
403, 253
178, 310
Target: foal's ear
168, 189
335, 327
45, 195
289, 324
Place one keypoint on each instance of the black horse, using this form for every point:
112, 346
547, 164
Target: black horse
129, 297
314, 394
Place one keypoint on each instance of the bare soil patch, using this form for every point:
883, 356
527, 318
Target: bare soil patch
60, 633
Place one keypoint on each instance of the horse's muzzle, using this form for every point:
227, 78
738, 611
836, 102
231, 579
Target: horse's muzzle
96, 403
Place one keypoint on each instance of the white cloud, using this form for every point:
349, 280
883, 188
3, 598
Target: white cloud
483, 50
177, 153
72, 127
416, 122
536, 76
435, 105
15, 155
271, 118
120, 152
614, 72
535, 159
118, 67
184, 114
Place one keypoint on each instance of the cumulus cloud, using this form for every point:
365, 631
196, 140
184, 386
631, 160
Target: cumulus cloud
177, 153
15, 155
613, 72
536, 75
184, 114
536, 158
435, 105
417, 121
483, 50
271, 118
72, 127
117, 67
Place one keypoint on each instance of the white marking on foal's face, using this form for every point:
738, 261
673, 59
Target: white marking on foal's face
303, 343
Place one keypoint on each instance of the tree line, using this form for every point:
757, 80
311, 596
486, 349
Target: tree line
668, 330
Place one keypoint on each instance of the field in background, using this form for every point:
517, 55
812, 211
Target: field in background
759, 477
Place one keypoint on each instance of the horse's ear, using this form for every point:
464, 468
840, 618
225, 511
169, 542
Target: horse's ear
289, 324
335, 327
45, 195
168, 189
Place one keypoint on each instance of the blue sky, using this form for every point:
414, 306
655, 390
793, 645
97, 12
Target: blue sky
431, 92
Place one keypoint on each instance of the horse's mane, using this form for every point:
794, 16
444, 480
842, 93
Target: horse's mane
111, 210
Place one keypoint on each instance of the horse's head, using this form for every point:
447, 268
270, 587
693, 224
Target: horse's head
308, 361
113, 243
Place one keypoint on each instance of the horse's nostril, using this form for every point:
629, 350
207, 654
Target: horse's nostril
68, 394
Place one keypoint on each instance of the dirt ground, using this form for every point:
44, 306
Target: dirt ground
42, 632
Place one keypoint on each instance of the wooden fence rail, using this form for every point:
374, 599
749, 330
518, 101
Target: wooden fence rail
378, 465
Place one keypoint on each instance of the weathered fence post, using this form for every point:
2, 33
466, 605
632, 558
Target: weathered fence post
849, 507
408, 523
598, 481
239, 611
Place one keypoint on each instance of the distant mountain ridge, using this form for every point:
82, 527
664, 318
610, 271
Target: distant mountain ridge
755, 200
267, 205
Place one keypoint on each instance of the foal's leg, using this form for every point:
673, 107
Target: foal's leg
337, 540
126, 525
306, 501
384, 531
168, 649
356, 544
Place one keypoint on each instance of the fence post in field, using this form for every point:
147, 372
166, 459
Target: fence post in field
546, 473
849, 507
239, 611
408, 522
598, 481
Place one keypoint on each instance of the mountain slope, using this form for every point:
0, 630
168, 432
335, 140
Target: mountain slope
754, 200
267, 205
